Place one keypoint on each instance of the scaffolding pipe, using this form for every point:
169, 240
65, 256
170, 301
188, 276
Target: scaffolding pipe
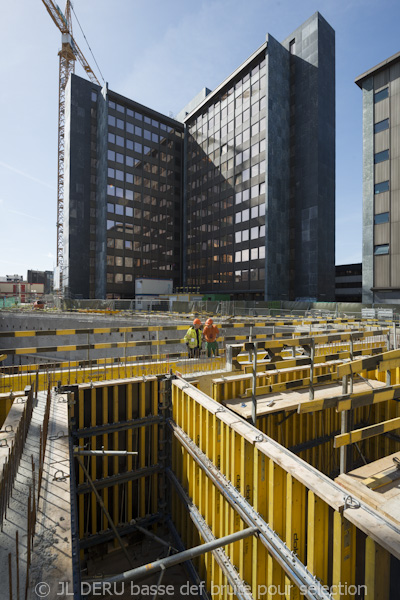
176, 559
103, 453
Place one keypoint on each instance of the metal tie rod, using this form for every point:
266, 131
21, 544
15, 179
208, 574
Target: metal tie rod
103, 453
170, 561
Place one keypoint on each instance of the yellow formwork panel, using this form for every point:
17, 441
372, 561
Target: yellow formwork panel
304, 509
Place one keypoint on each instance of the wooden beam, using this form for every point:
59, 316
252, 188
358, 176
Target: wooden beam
365, 432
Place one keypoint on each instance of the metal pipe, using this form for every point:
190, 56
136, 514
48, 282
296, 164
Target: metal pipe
253, 396
176, 559
107, 514
103, 453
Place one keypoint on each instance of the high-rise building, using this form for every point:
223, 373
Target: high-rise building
122, 214
381, 181
235, 196
260, 182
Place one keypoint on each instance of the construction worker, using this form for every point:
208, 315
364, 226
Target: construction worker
193, 339
210, 334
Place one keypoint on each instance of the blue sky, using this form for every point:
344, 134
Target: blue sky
161, 54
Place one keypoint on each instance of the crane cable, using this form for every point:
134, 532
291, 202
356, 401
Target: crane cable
101, 74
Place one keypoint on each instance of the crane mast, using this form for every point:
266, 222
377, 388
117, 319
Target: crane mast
68, 54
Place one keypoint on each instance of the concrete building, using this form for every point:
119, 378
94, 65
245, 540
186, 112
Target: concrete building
238, 199
381, 181
45, 277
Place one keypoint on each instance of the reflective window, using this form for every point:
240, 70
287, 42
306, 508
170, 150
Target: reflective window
378, 96
111, 190
381, 126
129, 194
111, 155
146, 134
138, 116
245, 255
381, 249
381, 156
129, 112
129, 144
119, 140
147, 120
120, 108
94, 97
261, 252
254, 233
110, 172
138, 130
119, 192
119, 210
111, 121
383, 186
129, 211
110, 207
120, 124
129, 162
245, 235
381, 218
129, 177
119, 158
129, 127
110, 224
111, 138
119, 175
245, 215
111, 104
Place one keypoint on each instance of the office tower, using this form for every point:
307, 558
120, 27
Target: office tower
381, 185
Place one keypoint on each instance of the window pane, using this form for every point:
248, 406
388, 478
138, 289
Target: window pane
381, 218
381, 126
381, 156
382, 249
381, 95
383, 186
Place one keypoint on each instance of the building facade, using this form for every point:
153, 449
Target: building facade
123, 165
235, 196
260, 174
381, 181
348, 283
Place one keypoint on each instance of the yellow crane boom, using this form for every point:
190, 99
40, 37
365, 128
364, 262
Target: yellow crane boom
68, 54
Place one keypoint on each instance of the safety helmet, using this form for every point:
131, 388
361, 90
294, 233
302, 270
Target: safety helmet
209, 322
197, 322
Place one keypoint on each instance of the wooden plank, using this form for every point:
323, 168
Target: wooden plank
363, 433
366, 364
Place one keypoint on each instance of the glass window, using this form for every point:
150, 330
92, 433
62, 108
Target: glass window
129, 112
381, 156
111, 138
129, 144
262, 231
246, 195
110, 172
245, 214
254, 212
381, 218
111, 120
245, 174
261, 252
381, 126
154, 137
129, 127
138, 116
119, 175
238, 237
238, 197
110, 207
254, 233
118, 278
129, 177
146, 134
119, 158
119, 192
111, 190
119, 210
138, 147
120, 141
254, 170
383, 186
94, 97
381, 249
147, 120
120, 124
129, 162
254, 253
110, 224
129, 211
254, 191
111, 155
245, 235
119, 261
378, 96
261, 209
110, 242
111, 104
238, 256
120, 108
245, 255
138, 130
238, 217
129, 194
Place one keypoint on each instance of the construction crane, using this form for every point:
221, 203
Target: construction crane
68, 54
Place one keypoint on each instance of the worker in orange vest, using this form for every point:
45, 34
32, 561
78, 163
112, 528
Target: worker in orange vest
210, 334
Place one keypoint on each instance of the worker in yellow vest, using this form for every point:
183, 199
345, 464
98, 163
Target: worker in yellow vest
193, 339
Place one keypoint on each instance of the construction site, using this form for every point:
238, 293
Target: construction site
132, 466
129, 470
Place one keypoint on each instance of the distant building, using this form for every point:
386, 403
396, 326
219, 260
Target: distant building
22, 291
381, 182
348, 283
45, 277
239, 199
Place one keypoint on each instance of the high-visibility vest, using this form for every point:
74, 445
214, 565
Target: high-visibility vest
193, 337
